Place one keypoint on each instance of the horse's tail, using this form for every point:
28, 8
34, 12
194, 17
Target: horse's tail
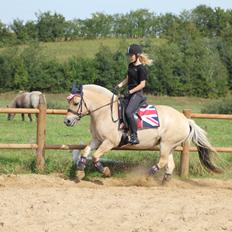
34, 98
198, 136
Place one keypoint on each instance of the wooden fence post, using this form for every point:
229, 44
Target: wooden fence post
41, 132
184, 158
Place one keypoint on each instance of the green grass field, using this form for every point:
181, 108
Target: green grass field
62, 51
23, 161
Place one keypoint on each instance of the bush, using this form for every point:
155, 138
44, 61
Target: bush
222, 106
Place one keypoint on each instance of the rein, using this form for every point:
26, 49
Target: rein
79, 114
111, 109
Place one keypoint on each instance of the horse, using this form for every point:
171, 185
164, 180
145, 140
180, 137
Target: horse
102, 107
24, 100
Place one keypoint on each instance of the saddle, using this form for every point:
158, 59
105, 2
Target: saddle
146, 116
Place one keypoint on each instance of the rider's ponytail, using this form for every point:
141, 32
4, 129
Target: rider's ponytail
144, 59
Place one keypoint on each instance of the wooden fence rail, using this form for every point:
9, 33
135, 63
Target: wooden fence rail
41, 145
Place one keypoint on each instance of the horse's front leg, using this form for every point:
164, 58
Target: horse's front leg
81, 164
103, 148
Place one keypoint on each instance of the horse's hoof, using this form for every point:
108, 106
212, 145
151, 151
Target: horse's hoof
166, 178
106, 172
79, 175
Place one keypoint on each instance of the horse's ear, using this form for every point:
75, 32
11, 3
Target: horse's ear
74, 89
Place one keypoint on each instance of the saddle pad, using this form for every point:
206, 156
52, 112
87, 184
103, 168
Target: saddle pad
147, 117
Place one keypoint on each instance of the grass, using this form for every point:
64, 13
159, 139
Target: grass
62, 51
23, 161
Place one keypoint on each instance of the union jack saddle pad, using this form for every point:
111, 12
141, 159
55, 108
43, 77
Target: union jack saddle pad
147, 117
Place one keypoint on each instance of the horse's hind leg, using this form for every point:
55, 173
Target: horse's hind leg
165, 150
29, 116
22, 115
169, 169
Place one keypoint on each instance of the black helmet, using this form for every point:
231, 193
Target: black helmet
134, 49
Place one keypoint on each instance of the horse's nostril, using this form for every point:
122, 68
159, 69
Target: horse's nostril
67, 121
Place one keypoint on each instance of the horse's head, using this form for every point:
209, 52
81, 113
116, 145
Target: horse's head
10, 116
77, 107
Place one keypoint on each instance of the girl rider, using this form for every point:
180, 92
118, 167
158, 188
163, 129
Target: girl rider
135, 81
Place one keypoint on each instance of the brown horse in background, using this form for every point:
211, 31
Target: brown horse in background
24, 100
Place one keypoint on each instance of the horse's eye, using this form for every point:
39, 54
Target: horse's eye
75, 103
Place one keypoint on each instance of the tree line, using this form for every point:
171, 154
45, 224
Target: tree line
196, 68
201, 21
195, 58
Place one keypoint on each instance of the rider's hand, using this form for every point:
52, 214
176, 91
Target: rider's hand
115, 90
127, 94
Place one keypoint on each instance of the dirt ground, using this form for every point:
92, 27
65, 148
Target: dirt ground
50, 203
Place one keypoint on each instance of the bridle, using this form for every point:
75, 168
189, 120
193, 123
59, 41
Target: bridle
79, 111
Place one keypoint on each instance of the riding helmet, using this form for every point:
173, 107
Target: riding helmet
134, 49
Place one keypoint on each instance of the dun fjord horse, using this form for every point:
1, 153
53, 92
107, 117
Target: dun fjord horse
175, 129
24, 100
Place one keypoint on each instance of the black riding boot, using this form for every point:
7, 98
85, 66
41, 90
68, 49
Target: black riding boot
133, 139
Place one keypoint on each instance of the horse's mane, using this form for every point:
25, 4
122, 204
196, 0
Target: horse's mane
99, 89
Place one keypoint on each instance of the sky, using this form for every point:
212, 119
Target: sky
81, 9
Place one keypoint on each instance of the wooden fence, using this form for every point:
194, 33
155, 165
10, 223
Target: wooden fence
41, 145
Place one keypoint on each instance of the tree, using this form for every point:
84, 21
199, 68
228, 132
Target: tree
20, 75
166, 75
226, 32
203, 17
183, 30
6, 37
8, 61
225, 51
31, 30
120, 64
121, 25
20, 31
79, 70
104, 66
101, 25
51, 27
139, 25
78, 28
166, 22
203, 68
6, 72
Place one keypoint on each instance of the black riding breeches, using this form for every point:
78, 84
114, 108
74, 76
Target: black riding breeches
134, 101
